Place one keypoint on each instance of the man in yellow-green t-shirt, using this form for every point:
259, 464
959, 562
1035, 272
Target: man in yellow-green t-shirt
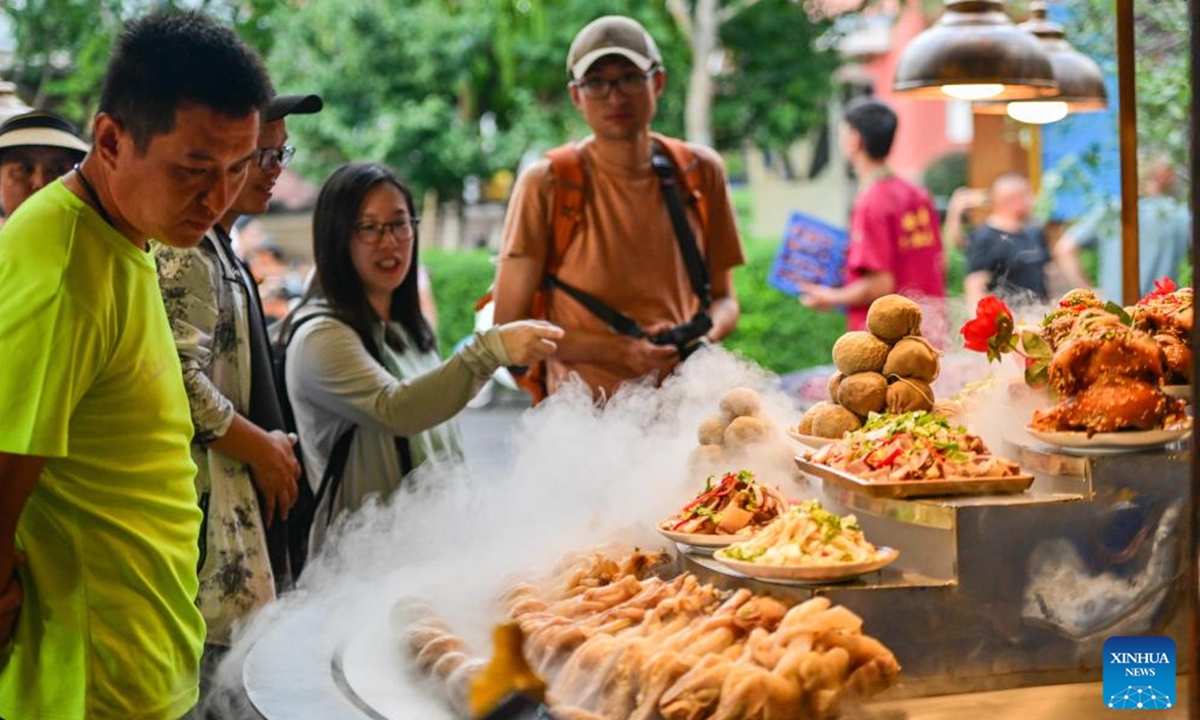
98, 620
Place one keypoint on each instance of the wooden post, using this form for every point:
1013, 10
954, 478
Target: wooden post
1127, 100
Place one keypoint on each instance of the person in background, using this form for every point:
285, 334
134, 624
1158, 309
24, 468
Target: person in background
626, 252
36, 148
369, 361
1007, 254
1164, 236
895, 243
961, 200
247, 469
97, 482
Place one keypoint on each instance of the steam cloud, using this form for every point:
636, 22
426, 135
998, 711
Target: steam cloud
581, 476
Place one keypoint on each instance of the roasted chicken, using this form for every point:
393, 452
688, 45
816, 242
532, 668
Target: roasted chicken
1108, 377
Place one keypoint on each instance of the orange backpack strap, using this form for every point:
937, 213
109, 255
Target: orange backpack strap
566, 208
570, 180
687, 165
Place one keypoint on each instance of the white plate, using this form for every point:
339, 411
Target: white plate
1125, 440
812, 441
1183, 392
884, 556
703, 539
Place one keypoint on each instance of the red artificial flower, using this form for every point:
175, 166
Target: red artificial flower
1162, 287
992, 320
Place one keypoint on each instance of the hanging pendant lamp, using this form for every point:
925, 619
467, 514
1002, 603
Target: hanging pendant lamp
1080, 81
974, 52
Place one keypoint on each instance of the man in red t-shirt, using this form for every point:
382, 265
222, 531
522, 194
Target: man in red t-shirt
895, 243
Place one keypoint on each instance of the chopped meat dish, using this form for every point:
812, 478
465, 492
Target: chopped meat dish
912, 446
732, 505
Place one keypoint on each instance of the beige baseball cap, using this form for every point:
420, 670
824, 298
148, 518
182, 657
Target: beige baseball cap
612, 35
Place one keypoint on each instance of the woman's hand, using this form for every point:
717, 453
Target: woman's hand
529, 341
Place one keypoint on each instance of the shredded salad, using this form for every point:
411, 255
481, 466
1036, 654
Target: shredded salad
807, 534
912, 446
728, 506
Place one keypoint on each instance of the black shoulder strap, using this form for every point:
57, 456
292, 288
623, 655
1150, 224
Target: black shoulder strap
688, 249
331, 479
697, 270
615, 319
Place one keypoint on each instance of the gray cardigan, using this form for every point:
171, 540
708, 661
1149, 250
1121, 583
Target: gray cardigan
333, 383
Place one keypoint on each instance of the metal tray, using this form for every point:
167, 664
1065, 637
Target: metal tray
919, 488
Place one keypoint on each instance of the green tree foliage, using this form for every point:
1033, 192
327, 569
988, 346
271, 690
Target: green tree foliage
1162, 74
441, 90
63, 46
781, 78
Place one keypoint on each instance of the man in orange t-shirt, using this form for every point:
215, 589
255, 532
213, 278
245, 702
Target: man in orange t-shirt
624, 251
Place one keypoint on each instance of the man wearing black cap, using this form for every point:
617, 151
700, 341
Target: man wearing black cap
641, 272
36, 148
247, 469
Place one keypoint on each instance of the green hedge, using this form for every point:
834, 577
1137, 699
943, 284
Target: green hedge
459, 280
775, 330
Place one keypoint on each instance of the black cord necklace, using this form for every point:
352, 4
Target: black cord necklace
91, 191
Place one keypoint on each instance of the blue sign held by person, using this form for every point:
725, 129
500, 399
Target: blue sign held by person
1139, 673
812, 251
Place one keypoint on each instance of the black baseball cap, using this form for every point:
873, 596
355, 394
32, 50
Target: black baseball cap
281, 106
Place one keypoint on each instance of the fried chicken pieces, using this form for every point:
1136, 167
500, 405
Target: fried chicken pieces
1107, 376
1167, 316
647, 649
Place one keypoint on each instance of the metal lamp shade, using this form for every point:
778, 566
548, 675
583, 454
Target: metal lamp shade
974, 44
1080, 81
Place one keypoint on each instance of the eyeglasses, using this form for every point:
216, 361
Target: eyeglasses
268, 158
628, 83
372, 233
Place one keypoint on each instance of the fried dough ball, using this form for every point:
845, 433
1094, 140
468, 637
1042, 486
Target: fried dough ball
859, 351
834, 421
805, 426
892, 317
741, 402
863, 393
746, 430
712, 431
912, 357
834, 380
908, 395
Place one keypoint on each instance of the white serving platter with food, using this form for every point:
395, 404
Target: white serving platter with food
1123, 441
807, 574
919, 488
703, 540
1183, 392
812, 441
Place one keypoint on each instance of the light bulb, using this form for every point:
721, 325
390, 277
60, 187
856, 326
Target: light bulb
1037, 112
978, 91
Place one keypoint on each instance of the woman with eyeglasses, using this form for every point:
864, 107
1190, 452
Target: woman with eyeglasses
363, 373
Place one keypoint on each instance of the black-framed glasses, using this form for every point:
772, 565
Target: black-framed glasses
268, 158
371, 233
627, 83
